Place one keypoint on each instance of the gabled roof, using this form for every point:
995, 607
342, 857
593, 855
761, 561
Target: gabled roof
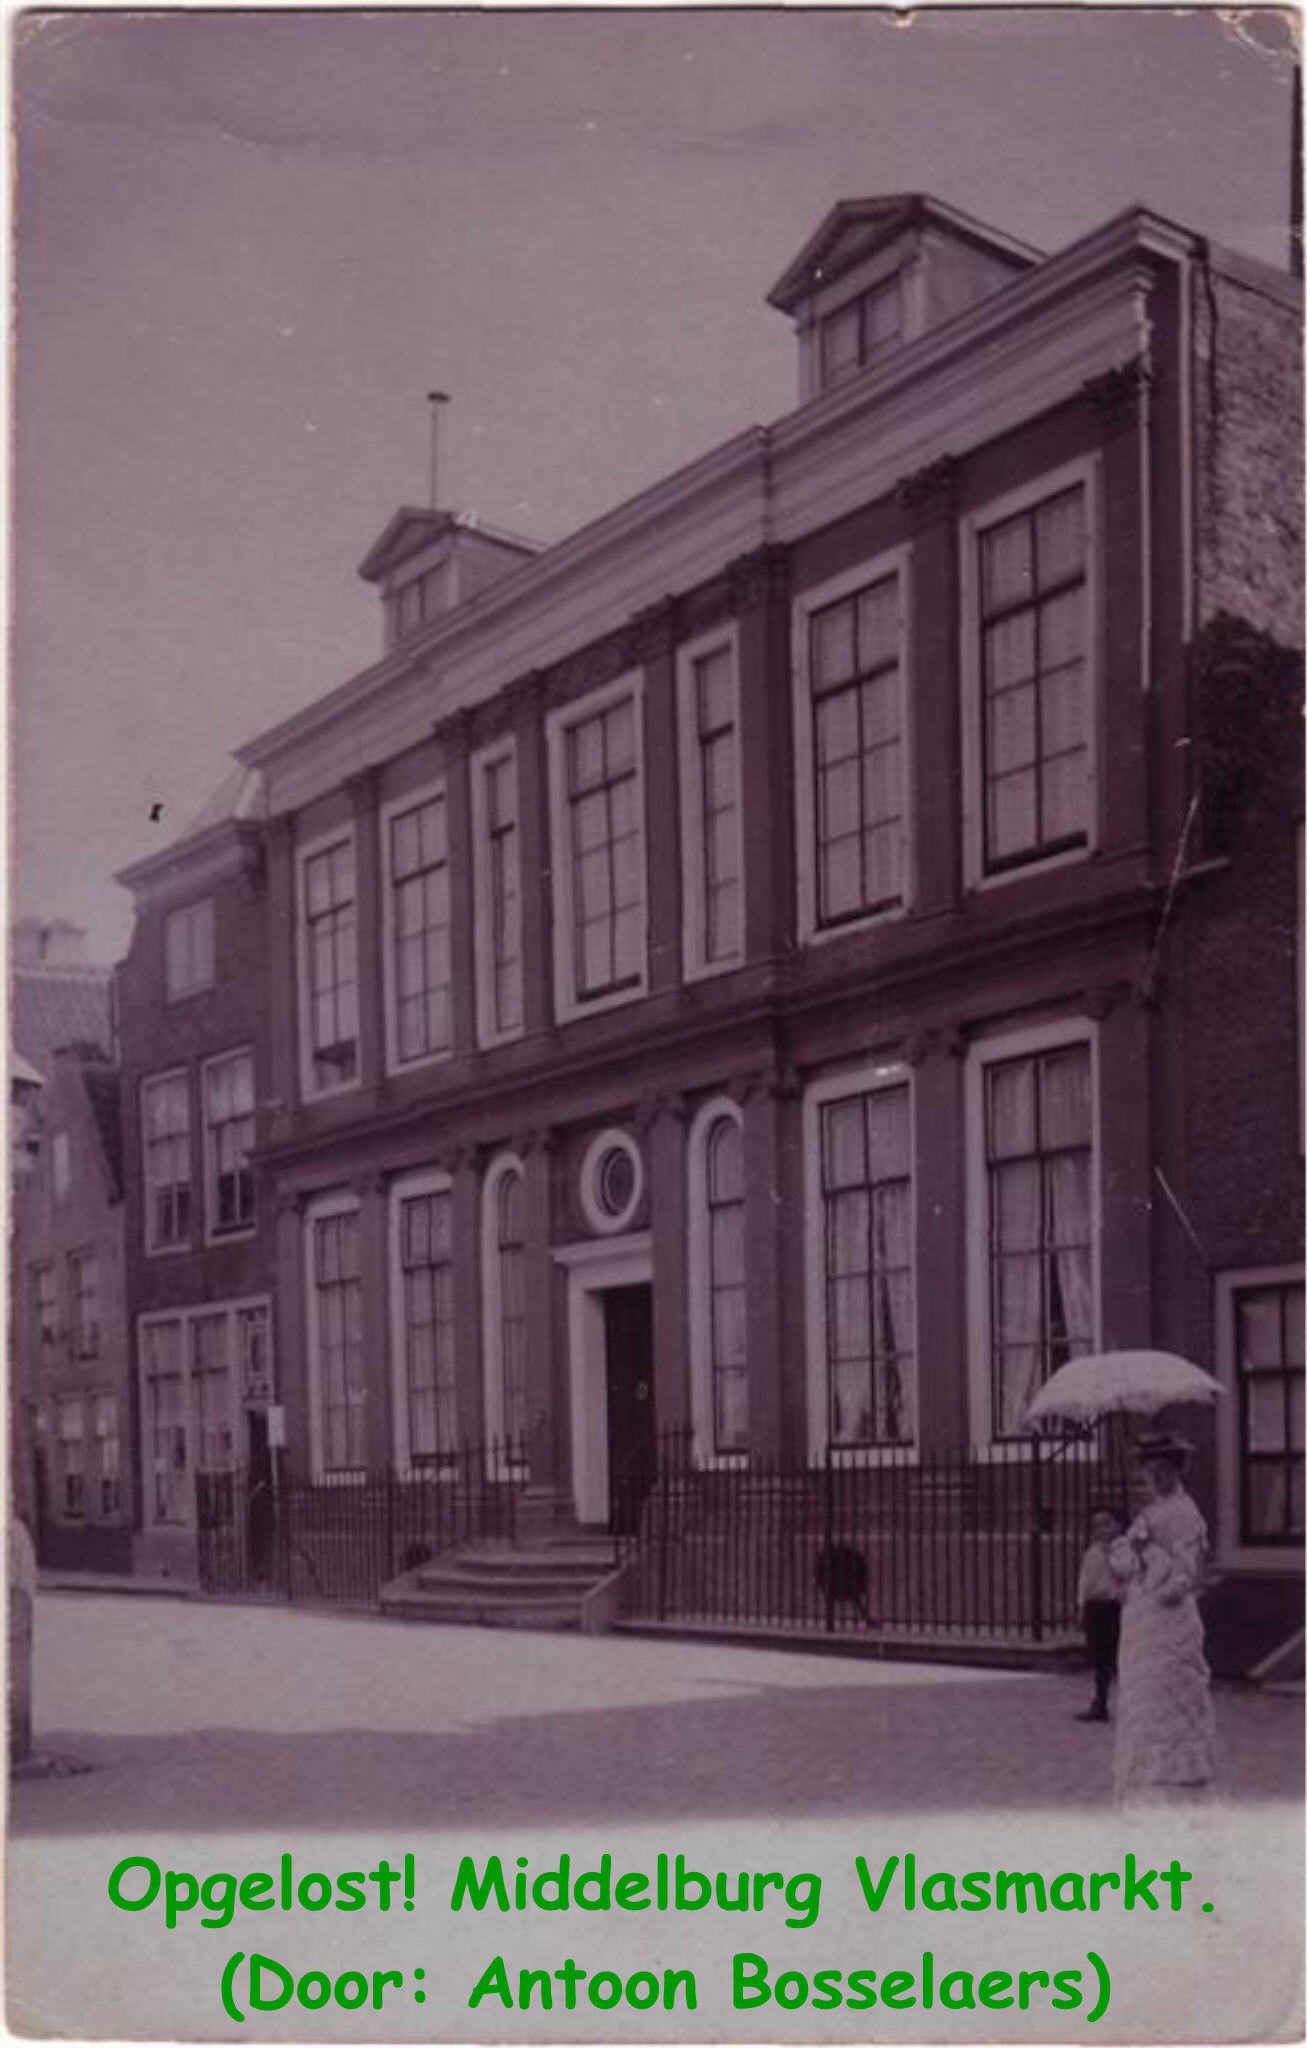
54, 1006
854, 228
239, 800
410, 529
238, 795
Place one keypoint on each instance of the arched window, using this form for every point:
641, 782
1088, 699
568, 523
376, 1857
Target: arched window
720, 1383
503, 1272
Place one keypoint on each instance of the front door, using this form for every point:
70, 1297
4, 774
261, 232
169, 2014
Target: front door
628, 1354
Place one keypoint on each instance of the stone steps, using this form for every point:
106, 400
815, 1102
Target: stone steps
549, 1584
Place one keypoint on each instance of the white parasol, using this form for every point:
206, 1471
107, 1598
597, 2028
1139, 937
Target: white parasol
1120, 1383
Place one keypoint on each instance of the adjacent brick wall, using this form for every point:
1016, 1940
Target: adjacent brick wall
1249, 416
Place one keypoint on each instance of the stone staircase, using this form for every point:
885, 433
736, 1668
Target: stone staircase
555, 1582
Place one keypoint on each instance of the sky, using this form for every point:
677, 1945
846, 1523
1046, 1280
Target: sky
247, 245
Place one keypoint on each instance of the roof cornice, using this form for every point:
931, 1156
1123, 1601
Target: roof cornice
1135, 236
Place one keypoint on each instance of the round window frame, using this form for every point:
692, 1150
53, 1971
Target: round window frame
606, 1222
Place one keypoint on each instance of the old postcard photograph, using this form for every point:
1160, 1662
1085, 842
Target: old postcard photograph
656, 1099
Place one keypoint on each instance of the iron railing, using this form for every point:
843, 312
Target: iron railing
895, 1543
282, 1535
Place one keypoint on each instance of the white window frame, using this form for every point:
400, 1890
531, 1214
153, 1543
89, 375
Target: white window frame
78, 1329
169, 1247
1232, 1551
896, 562
699, 1283
559, 723
1085, 472
609, 1222
72, 1406
183, 1317
984, 1053
403, 1189
99, 1402
488, 1032
186, 917
436, 791
212, 1234
695, 963
492, 1324
834, 1087
322, 842
319, 1210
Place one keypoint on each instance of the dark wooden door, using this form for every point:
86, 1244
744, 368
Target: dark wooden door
632, 1455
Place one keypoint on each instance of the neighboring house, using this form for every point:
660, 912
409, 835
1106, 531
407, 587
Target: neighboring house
193, 993
71, 1391
57, 996
766, 964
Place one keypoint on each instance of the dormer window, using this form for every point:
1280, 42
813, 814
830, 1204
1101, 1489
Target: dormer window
859, 334
421, 600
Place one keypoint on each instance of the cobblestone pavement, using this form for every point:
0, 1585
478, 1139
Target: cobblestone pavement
219, 1736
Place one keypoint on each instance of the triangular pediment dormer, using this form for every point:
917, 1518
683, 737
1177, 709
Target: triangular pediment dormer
426, 562
878, 273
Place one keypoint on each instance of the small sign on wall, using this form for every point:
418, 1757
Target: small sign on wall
277, 1428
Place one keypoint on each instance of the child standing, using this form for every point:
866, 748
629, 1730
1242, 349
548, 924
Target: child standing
1099, 1597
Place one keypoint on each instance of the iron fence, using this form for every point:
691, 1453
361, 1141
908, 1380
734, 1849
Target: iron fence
903, 1543
281, 1535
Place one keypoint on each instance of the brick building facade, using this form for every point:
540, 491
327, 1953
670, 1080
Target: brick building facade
192, 995
797, 960
755, 964
71, 1403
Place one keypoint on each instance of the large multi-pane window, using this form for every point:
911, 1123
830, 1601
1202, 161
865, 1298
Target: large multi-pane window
166, 1113
338, 1298
45, 1311
501, 910
714, 902
1039, 1147
865, 1159
84, 1303
72, 1458
331, 967
723, 1169
229, 1141
195, 1375
510, 1253
857, 752
1034, 676
1270, 1366
860, 333
214, 1392
188, 949
420, 929
167, 1437
427, 1332
108, 1483
604, 849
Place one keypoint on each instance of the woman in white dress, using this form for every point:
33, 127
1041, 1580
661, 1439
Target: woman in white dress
1165, 1728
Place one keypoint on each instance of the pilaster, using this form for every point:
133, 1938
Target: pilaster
362, 791
454, 737
934, 756
759, 591
371, 1189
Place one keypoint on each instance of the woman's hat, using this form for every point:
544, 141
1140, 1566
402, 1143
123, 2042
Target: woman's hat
1163, 1448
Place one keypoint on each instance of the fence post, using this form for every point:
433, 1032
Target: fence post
828, 1534
1036, 1543
663, 1510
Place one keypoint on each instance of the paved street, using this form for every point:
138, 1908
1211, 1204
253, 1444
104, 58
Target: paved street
220, 1736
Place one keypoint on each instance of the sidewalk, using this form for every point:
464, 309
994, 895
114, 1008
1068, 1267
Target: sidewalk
223, 1737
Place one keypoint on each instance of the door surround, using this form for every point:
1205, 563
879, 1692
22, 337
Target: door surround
592, 1268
